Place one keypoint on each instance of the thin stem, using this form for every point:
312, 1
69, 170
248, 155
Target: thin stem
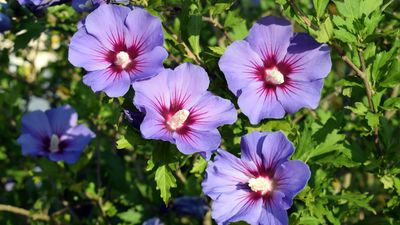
24, 212
216, 24
188, 51
302, 15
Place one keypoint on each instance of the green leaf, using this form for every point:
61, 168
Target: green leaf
194, 29
348, 8
393, 76
325, 33
131, 216
392, 103
357, 199
369, 6
344, 35
199, 166
320, 6
217, 50
372, 119
165, 181
359, 109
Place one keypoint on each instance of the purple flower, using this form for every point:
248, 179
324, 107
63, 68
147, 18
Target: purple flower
38, 6
153, 221
134, 118
179, 109
189, 205
86, 5
54, 134
118, 46
259, 187
5, 23
275, 71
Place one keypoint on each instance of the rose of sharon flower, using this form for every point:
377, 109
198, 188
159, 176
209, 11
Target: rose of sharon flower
258, 187
118, 46
54, 134
179, 109
39, 6
274, 71
86, 5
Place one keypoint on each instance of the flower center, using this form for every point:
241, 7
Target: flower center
123, 59
54, 143
260, 184
178, 119
274, 76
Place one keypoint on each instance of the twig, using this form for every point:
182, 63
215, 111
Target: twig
188, 51
303, 16
24, 212
216, 24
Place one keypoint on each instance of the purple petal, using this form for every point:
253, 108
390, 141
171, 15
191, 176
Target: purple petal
309, 59
188, 83
144, 29
153, 127
212, 111
239, 64
270, 37
225, 174
251, 145
106, 23
273, 212
149, 64
197, 141
87, 52
68, 157
295, 95
37, 124
236, 206
31, 145
276, 149
114, 84
153, 93
258, 103
61, 119
291, 177
77, 138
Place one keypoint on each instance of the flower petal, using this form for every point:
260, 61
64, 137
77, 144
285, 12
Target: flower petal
226, 174
236, 206
211, 112
239, 64
291, 177
258, 103
145, 30
61, 119
37, 124
251, 145
153, 127
309, 59
153, 94
31, 145
197, 141
149, 64
188, 83
68, 157
87, 52
295, 95
77, 138
106, 23
276, 149
119, 86
273, 212
270, 37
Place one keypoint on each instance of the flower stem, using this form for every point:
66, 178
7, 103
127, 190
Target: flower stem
216, 24
24, 212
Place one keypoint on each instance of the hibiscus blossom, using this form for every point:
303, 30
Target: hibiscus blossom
54, 134
179, 109
274, 71
118, 46
259, 187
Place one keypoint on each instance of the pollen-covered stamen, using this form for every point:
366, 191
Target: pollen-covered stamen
274, 76
54, 143
260, 184
178, 119
122, 59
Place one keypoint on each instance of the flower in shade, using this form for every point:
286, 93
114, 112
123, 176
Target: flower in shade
258, 187
179, 109
86, 5
38, 6
274, 71
5, 23
190, 205
54, 134
118, 46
